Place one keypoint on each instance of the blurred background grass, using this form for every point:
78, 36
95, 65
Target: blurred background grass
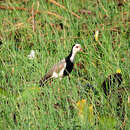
23, 105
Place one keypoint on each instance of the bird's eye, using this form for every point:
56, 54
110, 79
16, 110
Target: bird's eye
77, 46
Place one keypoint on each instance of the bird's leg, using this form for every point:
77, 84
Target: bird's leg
69, 77
69, 80
50, 83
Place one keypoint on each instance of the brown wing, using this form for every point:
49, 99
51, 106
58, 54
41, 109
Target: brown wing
56, 68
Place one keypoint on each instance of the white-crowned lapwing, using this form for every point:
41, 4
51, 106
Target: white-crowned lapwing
62, 68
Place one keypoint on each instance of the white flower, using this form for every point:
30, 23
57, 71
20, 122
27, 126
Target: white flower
31, 55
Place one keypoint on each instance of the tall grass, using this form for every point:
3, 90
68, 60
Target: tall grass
23, 104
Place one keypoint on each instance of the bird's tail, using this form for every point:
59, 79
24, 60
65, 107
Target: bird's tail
41, 82
44, 80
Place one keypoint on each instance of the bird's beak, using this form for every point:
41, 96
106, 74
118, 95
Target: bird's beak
81, 49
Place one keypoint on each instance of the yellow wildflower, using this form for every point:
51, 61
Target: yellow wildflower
118, 71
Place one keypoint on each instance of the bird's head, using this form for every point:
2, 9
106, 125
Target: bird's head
76, 48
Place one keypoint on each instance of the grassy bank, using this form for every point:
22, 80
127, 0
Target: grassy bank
51, 32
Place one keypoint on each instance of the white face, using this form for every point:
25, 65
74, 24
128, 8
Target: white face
76, 48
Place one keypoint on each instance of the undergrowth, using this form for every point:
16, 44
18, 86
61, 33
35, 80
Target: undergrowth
62, 104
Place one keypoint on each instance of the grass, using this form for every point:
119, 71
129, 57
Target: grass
23, 104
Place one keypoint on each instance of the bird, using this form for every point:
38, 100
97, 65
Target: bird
62, 68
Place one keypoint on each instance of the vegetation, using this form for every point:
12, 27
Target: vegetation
50, 30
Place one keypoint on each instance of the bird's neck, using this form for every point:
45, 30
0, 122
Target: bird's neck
71, 56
